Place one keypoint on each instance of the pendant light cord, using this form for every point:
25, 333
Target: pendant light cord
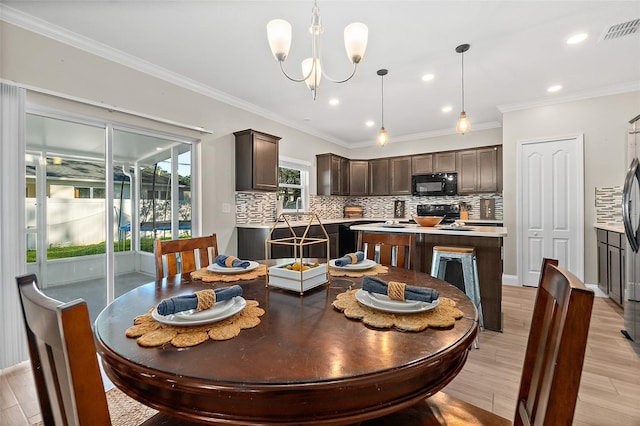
382, 102
462, 55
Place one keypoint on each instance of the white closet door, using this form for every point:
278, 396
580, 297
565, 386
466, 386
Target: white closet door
551, 211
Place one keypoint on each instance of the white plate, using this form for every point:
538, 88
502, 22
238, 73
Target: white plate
410, 307
384, 300
214, 267
360, 266
219, 312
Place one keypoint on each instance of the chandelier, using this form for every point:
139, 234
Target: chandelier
279, 36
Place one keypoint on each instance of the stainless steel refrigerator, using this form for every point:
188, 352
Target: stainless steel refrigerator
631, 220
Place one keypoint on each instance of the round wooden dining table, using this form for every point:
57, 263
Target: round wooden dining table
305, 363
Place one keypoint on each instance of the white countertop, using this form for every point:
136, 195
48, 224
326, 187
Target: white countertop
295, 223
614, 227
468, 231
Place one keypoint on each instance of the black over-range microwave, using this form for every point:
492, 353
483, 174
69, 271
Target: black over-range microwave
435, 184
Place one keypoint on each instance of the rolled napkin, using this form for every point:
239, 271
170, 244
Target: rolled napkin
399, 291
231, 262
350, 258
199, 300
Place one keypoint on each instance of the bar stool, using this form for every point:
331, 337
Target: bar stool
442, 255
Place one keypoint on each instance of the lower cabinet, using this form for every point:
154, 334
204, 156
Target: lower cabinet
611, 264
251, 242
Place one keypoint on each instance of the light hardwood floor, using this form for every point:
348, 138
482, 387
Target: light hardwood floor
609, 391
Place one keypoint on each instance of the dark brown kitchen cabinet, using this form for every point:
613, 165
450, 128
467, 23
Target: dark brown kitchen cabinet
467, 162
332, 173
400, 171
616, 267
611, 266
379, 176
444, 162
251, 242
487, 169
603, 261
422, 164
256, 161
499, 169
477, 170
358, 177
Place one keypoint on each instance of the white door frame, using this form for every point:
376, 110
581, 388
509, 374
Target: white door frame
578, 139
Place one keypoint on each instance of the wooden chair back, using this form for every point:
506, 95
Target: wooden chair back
63, 358
182, 256
387, 249
552, 366
555, 349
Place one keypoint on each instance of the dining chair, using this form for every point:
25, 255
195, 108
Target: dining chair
387, 249
552, 366
64, 361
181, 256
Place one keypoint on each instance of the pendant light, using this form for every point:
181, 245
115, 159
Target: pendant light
383, 136
463, 121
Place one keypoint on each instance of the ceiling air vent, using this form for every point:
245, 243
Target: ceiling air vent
621, 30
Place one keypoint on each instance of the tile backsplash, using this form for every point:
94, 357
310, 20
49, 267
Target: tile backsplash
260, 207
609, 204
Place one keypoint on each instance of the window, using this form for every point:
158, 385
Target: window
293, 185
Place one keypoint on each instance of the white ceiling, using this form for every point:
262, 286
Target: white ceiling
220, 48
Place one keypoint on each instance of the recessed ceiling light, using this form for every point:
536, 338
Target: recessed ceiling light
159, 148
447, 108
427, 77
334, 101
370, 123
577, 38
554, 88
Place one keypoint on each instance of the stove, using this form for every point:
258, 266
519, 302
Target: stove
450, 212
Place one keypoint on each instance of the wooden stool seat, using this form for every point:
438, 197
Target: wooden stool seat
450, 249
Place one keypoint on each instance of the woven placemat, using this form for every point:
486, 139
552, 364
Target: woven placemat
123, 410
150, 333
210, 277
443, 316
378, 269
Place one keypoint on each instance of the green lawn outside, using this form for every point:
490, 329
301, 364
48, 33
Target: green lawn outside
146, 245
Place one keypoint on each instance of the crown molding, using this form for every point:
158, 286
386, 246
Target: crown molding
631, 86
62, 35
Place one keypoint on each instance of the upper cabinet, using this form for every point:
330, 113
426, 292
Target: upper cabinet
358, 177
478, 170
400, 173
444, 162
422, 164
379, 176
256, 161
332, 173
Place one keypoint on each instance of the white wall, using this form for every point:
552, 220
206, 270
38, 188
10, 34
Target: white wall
604, 122
75, 72
35, 60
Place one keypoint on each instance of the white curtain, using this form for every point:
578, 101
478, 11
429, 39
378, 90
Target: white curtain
13, 347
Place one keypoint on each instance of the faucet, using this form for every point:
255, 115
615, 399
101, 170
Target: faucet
298, 204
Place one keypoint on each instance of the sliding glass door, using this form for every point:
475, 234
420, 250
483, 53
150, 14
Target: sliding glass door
91, 218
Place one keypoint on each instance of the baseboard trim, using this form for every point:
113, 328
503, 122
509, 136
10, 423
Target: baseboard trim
510, 280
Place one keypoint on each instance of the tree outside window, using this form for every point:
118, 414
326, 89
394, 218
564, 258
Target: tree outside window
291, 187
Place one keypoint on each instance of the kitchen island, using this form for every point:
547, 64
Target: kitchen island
487, 241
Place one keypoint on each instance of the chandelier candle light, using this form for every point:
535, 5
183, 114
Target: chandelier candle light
383, 136
463, 121
279, 36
